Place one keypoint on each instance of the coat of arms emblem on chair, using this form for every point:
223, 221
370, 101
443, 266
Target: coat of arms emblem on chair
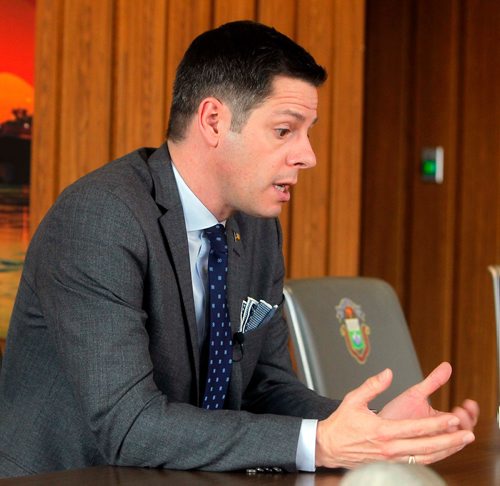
354, 329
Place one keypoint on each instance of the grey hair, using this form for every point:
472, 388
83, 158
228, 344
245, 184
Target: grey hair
392, 474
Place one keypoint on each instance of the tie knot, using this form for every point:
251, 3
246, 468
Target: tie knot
217, 237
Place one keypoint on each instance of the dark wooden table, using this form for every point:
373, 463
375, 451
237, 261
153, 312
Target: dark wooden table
477, 465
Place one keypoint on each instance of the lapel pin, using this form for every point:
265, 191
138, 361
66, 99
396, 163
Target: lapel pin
236, 236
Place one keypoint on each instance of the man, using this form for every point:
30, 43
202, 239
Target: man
112, 355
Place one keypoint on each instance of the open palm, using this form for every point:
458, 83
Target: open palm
414, 402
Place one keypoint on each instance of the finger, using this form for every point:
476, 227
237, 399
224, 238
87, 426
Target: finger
435, 457
466, 421
372, 387
468, 414
428, 449
473, 408
412, 428
440, 444
435, 380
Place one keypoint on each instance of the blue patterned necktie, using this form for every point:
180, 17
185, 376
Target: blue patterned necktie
220, 339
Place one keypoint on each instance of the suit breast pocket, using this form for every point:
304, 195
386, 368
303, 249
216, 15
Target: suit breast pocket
252, 346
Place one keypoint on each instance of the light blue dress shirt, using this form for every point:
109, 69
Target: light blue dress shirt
198, 218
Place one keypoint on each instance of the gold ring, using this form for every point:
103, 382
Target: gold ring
411, 460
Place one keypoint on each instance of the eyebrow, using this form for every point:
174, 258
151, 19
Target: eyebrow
296, 115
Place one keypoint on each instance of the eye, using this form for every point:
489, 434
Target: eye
282, 132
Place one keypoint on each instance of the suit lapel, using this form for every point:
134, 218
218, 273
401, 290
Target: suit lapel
167, 197
236, 273
237, 286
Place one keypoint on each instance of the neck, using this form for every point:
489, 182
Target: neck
196, 167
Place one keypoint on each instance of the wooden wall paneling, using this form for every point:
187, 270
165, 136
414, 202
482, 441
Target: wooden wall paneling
45, 154
138, 112
347, 73
86, 88
186, 20
229, 10
432, 237
281, 14
385, 193
311, 196
478, 243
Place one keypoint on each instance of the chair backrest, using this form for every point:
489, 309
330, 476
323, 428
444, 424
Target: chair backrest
495, 274
345, 329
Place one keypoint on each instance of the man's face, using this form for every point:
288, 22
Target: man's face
258, 166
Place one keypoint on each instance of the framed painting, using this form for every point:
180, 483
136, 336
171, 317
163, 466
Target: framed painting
17, 38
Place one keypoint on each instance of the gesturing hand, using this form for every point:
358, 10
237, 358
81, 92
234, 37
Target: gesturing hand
406, 426
413, 403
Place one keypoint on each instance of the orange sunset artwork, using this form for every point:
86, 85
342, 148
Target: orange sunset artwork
17, 38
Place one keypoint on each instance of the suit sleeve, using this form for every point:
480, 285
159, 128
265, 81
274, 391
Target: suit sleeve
91, 257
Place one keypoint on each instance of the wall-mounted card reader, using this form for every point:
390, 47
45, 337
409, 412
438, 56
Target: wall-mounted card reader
431, 166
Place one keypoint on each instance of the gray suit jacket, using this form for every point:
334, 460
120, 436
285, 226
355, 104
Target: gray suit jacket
102, 363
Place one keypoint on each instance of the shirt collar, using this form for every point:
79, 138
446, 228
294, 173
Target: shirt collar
196, 214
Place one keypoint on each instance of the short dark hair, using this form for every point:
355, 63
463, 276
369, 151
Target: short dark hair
236, 63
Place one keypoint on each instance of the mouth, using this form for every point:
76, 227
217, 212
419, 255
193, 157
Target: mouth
283, 190
281, 187
284, 185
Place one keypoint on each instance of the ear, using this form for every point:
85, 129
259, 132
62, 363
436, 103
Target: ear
212, 120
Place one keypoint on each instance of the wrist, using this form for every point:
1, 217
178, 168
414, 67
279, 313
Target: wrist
320, 444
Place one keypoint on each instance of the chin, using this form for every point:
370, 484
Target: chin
268, 212
271, 209
256, 213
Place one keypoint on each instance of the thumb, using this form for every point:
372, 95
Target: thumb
436, 379
372, 387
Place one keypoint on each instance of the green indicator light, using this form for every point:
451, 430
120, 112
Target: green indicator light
431, 164
429, 167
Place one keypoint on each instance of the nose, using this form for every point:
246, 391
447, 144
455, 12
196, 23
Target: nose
303, 157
